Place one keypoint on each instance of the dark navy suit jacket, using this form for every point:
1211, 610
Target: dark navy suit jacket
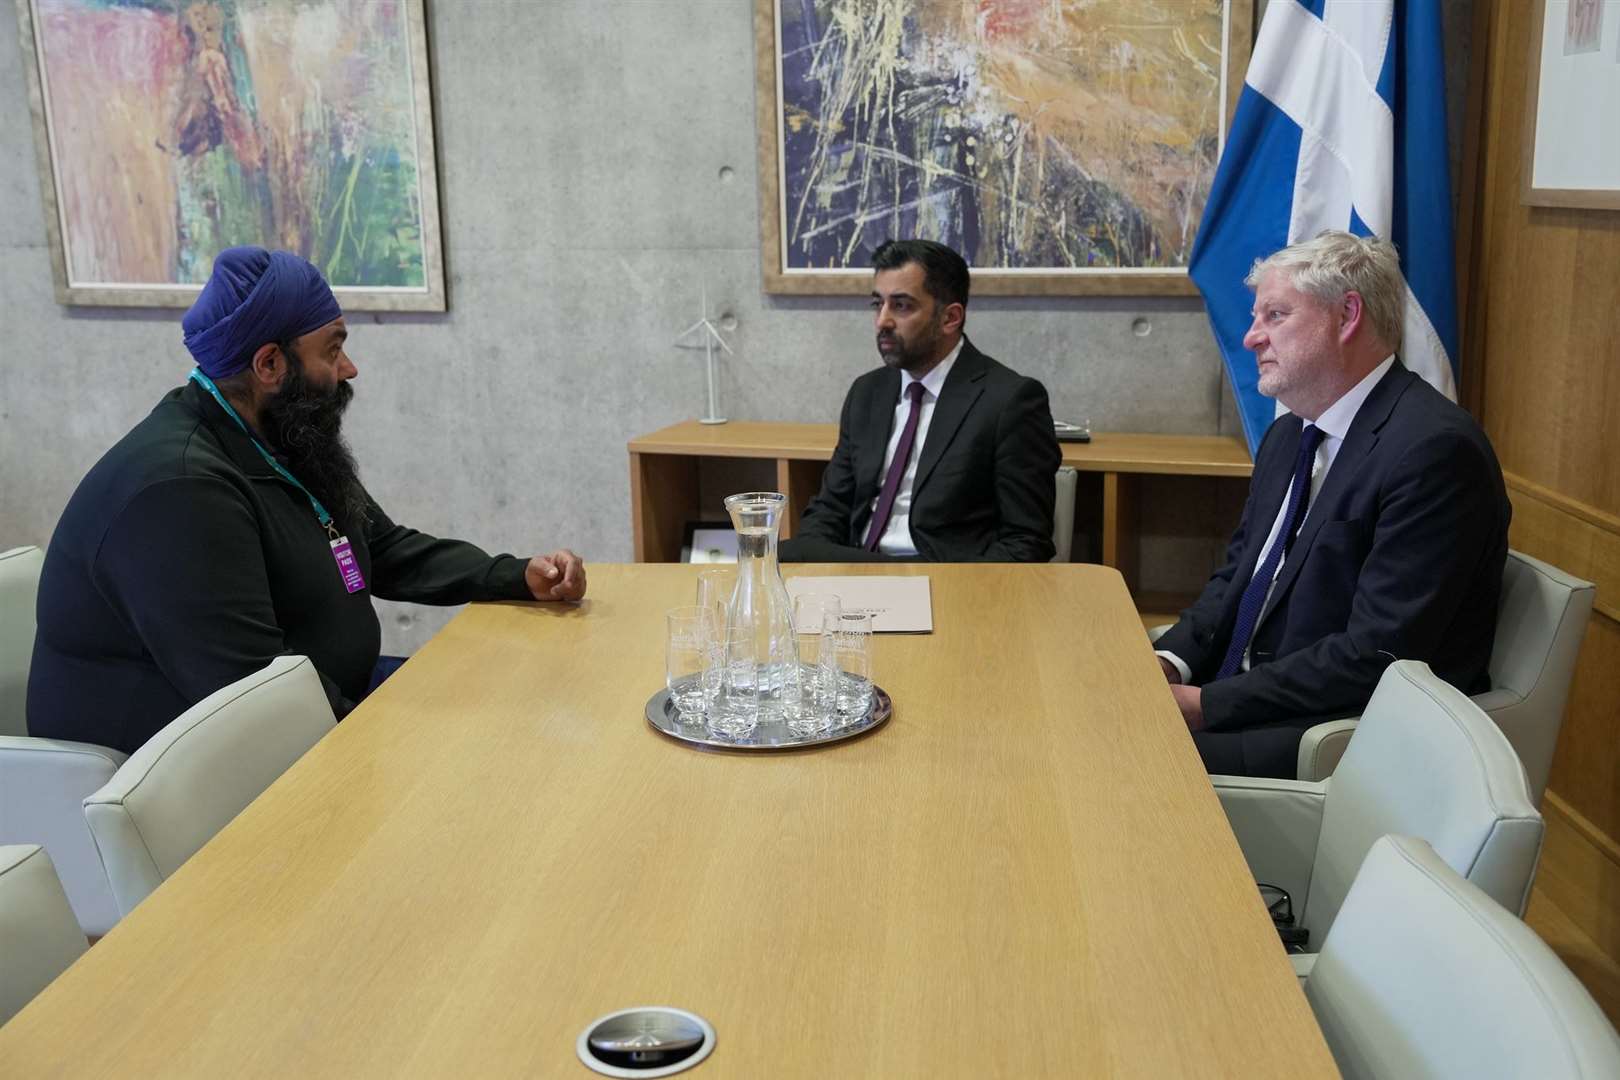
986, 475
1401, 557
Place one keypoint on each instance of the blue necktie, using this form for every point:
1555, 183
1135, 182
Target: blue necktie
1254, 596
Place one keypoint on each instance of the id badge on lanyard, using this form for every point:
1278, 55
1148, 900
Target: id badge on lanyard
347, 566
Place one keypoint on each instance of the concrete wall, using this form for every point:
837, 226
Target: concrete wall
597, 162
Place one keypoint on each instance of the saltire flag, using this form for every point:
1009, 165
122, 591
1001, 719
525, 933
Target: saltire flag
1341, 125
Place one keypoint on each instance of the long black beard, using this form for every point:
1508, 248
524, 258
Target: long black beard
305, 422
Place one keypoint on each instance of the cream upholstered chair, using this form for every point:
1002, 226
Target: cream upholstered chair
1068, 480
43, 782
1423, 976
197, 773
1539, 626
1427, 762
39, 936
19, 586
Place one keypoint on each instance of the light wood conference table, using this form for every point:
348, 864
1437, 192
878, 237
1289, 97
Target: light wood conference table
1024, 873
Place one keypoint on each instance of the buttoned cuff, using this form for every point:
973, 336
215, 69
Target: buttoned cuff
1178, 663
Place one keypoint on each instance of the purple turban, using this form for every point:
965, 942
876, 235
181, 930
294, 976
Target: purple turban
252, 298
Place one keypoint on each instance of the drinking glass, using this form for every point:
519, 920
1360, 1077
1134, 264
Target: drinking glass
734, 712
691, 634
804, 699
846, 663
714, 589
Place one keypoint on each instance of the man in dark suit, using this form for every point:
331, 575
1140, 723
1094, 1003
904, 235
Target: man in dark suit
943, 454
1375, 527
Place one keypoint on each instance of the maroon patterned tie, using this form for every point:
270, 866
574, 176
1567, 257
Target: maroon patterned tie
897, 469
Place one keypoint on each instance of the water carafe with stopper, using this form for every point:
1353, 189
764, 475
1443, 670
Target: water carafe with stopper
759, 603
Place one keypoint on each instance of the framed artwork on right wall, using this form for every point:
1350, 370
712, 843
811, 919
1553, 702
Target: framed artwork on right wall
1572, 157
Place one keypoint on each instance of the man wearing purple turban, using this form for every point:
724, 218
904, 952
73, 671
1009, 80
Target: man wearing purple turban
230, 527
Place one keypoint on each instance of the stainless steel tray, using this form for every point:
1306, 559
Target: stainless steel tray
769, 735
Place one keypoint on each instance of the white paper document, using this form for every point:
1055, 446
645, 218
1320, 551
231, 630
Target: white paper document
899, 605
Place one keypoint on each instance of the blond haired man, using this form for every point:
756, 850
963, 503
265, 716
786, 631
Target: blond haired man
1375, 527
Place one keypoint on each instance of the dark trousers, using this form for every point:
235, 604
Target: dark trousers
1265, 750
386, 666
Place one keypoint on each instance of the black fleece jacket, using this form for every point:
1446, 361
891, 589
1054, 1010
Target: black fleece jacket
183, 563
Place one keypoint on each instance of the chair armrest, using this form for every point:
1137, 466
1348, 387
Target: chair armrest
1500, 698
43, 783
1321, 747
132, 873
39, 937
1277, 823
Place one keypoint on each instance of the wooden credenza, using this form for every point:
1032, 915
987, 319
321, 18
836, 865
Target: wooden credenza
664, 476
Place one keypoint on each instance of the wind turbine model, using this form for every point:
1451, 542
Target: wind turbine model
711, 338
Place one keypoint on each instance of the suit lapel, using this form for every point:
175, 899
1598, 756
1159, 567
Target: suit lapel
879, 421
1273, 491
1359, 442
963, 387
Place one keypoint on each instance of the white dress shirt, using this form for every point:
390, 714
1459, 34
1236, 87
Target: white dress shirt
896, 538
1334, 424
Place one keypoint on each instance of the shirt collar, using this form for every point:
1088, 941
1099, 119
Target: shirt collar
1336, 418
934, 381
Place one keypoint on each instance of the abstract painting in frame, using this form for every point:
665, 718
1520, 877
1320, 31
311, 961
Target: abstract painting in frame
1571, 157
1065, 147
169, 130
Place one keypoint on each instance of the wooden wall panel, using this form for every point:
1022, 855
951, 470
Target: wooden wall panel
1586, 768
1546, 289
1541, 318
1544, 293
1575, 905
1570, 535
1552, 350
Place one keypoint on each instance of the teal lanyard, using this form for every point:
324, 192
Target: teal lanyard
320, 511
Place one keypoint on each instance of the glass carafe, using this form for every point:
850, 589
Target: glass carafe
760, 601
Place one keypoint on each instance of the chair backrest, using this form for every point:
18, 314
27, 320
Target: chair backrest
197, 773
1427, 762
1068, 480
43, 783
19, 586
1424, 975
1539, 627
39, 937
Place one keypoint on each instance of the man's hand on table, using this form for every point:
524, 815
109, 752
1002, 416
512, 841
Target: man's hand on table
558, 576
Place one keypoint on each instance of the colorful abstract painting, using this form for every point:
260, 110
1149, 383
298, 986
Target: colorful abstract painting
177, 128
1074, 137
